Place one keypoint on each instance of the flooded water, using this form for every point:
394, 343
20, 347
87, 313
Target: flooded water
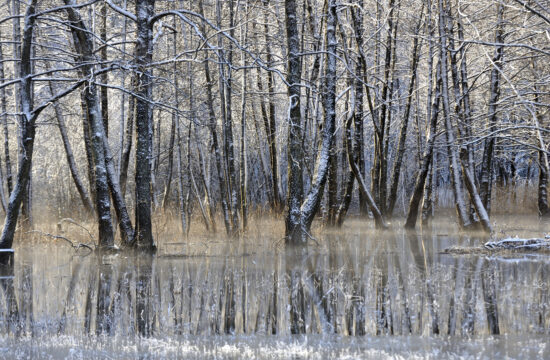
350, 295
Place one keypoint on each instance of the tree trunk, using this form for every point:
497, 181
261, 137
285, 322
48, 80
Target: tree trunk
544, 210
461, 210
86, 201
28, 120
488, 153
295, 155
83, 43
129, 135
144, 123
313, 199
244, 168
401, 147
105, 76
270, 125
226, 91
3, 109
378, 217
422, 174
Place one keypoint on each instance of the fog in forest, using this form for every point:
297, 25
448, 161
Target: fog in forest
274, 178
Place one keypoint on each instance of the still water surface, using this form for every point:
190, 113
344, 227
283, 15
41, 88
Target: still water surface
352, 294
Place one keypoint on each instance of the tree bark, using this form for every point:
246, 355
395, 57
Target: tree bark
488, 153
422, 174
28, 129
295, 155
313, 199
86, 201
462, 213
144, 124
83, 43
3, 109
404, 124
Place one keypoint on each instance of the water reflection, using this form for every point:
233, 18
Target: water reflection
392, 284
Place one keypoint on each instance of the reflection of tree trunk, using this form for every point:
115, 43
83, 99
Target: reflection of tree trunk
469, 307
423, 262
104, 315
295, 257
144, 264
488, 284
8, 288
88, 305
70, 297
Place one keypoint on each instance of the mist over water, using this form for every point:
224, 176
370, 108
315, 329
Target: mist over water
350, 294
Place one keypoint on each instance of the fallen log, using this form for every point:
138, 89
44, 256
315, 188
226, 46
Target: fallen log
508, 244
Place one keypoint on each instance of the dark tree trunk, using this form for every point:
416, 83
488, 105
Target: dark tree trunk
488, 153
144, 124
3, 110
28, 129
422, 174
86, 201
313, 199
295, 155
129, 135
404, 125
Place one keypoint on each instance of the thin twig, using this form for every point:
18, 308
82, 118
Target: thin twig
71, 221
76, 247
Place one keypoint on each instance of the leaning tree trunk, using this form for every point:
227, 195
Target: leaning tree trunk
378, 217
420, 182
28, 120
103, 160
295, 155
84, 197
403, 131
461, 105
83, 43
462, 213
313, 198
